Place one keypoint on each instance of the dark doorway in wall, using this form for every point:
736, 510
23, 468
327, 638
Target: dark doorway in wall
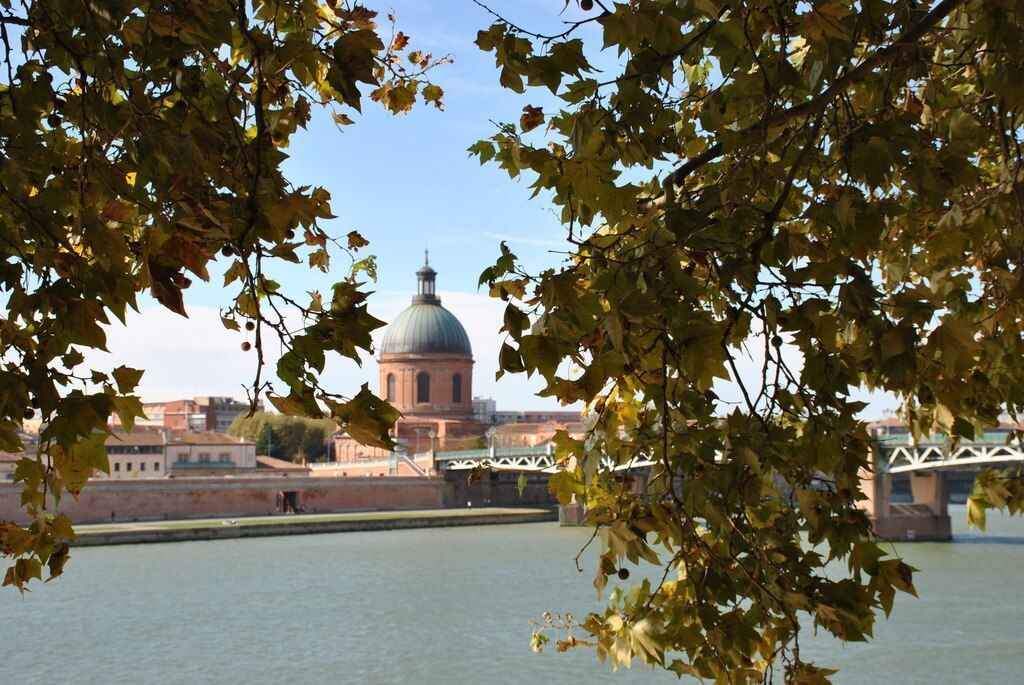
287, 502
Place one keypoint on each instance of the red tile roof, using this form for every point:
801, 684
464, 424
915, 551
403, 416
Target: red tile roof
205, 438
139, 436
265, 462
144, 435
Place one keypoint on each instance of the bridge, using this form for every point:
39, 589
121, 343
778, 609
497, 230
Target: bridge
926, 518
538, 459
903, 456
926, 462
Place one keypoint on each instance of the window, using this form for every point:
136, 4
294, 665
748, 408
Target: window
422, 387
156, 466
391, 387
182, 457
457, 388
117, 466
128, 466
142, 466
204, 457
225, 456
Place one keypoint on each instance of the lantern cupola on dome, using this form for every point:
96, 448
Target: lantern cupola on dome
425, 327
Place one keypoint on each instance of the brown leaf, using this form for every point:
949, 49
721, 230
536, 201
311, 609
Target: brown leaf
532, 118
400, 41
164, 286
356, 241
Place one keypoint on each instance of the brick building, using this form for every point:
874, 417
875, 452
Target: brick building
426, 363
207, 413
426, 372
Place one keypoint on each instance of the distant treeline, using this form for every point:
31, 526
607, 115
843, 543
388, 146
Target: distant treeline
290, 438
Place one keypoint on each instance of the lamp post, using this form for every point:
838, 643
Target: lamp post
490, 438
432, 434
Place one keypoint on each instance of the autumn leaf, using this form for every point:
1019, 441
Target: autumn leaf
532, 118
399, 42
131, 179
356, 241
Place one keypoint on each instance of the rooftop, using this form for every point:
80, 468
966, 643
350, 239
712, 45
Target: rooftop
275, 464
144, 435
425, 327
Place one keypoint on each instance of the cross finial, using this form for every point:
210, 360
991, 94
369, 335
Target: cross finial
426, 257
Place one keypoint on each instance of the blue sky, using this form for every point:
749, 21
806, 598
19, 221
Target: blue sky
406, 183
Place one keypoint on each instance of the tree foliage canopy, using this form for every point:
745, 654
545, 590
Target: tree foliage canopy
831, 189
140, 142
291, 438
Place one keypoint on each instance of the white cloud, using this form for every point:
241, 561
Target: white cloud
198, 356
182, 357
750, 365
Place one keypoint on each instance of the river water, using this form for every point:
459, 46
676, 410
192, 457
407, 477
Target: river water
446, 606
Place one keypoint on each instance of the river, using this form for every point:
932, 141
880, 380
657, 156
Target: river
446, 606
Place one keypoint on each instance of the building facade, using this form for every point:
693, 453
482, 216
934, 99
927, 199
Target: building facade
206, 413
139, 454
149, 452
208, 453
426, 372
485, 410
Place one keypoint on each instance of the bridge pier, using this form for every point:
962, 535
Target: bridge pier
572, 514
927, 518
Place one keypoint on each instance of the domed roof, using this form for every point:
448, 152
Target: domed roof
425, 326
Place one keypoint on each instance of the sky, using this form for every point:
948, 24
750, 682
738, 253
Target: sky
407, 184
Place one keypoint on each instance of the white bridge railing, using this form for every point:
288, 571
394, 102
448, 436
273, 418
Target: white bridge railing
893, 457
933, 455
539, 459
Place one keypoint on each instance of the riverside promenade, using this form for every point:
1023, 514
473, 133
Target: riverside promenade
301, 524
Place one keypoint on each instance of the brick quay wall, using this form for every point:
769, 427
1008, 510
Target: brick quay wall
183, 498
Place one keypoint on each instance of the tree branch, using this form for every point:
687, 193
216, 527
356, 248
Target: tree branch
14, 21
818, 104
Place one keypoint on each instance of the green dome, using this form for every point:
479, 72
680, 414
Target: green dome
426, 327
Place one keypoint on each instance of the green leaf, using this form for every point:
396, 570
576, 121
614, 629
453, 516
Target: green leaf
127, 379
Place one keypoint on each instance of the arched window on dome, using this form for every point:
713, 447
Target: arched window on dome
457, 388
391, 387
423, 387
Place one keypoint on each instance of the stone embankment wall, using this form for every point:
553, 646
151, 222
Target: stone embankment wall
179, 498
182, 498
498, 489
131, 534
